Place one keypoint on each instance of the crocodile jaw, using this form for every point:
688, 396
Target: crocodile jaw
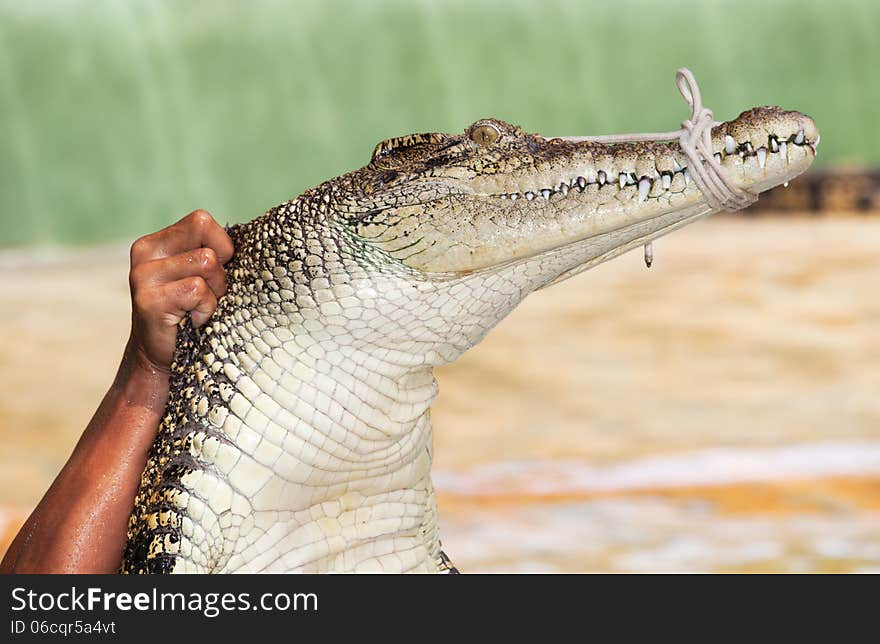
547, 195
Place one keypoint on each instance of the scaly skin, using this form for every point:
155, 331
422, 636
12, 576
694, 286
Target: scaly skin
297, 433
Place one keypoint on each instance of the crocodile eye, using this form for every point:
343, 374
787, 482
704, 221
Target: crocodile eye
484, 134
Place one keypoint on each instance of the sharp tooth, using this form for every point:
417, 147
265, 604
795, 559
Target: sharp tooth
729, 144
649, 254
563, 188
762, 156
818, 138
545, 193
783, 150
530, 195
774, 144
504, 196
687, 176
667, 180
601, 177
799, 138
785, 184
582, 183
644, 188
749, 149
514, 196
622, 178
717, 156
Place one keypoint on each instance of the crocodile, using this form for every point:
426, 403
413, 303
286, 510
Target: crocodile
297, 434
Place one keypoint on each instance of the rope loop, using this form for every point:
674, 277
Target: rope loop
695, 139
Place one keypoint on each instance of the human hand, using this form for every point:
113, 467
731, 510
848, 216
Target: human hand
176, 270
81, 523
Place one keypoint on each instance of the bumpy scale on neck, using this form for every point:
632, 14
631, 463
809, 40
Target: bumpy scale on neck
297, 435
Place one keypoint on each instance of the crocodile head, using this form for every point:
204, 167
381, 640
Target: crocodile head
452, 204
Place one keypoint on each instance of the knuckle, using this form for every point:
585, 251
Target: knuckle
142, 301
138, 249
196, 286
207, 258
136, 276
201, 218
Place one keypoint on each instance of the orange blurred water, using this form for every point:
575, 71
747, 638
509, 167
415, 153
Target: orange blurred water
718, 412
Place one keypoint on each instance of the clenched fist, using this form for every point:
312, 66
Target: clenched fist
174, 271
80, 524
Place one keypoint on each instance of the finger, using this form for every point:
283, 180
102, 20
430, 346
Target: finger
200, 262
193, 295
195, 230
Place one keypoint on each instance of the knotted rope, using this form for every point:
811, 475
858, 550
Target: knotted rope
695, 139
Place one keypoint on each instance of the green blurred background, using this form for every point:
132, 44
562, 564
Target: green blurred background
751, 343
118, 117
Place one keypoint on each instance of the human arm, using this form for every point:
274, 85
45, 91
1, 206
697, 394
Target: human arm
80, 524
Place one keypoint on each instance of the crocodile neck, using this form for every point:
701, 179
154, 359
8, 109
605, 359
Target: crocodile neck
297, 438
333, 449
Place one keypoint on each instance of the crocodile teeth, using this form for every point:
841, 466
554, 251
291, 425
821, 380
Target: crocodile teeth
530, 195
762, 156
563, 188
514, 196
649, 254
774, 144
582, 183
601, 177
729, 144
644, 188
622, 179
545, 193
783, 150
717, 156
687, 176
504, 196
667, 181
799, 138
749, 149
785, 184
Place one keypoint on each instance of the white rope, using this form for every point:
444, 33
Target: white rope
695, 139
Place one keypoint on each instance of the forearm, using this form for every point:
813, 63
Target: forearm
80, 524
